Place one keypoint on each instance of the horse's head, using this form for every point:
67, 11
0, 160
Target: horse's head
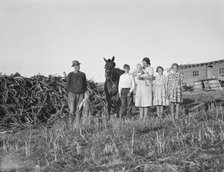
109, 66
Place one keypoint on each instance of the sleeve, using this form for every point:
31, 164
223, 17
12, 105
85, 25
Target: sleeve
134, 73
166, 82
181, 77
148, 73
154, 85
120, 85
132, 84
68, 82
84, 82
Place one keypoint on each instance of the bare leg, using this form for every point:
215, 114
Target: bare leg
158, 111
177, 110
161, 110
146, 111
172, 109
141, 111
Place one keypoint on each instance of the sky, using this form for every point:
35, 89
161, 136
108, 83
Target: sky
45, 36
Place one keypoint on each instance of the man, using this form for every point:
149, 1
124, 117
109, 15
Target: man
125, 89
76, 85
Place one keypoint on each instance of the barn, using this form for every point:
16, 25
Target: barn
202, 71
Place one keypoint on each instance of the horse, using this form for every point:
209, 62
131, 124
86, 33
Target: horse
112, 76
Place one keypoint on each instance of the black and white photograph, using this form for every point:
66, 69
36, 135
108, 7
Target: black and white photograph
111, 86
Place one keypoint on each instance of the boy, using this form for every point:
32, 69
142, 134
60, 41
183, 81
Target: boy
125, 89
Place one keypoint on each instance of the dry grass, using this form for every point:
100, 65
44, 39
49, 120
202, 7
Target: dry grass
193, 142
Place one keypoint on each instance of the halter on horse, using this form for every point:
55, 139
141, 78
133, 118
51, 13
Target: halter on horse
112, 75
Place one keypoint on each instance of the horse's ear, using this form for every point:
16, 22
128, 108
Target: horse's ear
113, 58
105, 59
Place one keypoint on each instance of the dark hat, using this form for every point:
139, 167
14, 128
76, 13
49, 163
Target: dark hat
75, 63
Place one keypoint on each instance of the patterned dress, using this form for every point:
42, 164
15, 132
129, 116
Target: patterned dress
160, 91
174, 87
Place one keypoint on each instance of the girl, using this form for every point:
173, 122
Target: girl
160, 91
174, 89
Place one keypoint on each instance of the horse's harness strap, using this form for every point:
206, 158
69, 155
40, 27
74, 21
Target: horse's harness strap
113, 83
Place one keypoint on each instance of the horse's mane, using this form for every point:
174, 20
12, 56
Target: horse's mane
119, 71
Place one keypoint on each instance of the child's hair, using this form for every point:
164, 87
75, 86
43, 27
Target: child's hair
175, 64
126, 66
139, 65
159, 67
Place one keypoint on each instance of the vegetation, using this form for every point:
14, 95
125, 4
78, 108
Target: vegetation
31, 101
193, 142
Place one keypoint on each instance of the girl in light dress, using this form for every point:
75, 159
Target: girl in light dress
160, 96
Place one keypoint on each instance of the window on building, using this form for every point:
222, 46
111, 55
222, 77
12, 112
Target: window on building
221, 70
196, 73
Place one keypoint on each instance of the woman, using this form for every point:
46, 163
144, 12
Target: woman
143, 97
174, 89
160, 91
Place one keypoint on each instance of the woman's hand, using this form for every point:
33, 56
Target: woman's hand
139, 76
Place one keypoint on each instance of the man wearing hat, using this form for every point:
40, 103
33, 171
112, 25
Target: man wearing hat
76, 85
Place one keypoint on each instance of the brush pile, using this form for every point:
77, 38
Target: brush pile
39, 99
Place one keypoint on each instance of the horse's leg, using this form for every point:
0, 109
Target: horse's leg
118, 105
108, 107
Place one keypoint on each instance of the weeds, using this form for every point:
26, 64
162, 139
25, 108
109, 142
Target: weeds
193, 142
185, 144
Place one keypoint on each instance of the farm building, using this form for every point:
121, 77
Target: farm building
202, 71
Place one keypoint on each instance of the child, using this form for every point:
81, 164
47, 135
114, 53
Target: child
85, 107
160, 91
139, 71
126, 88
174, 89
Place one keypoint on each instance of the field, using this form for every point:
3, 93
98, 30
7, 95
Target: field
193, 142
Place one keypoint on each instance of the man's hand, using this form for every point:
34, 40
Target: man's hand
129, 94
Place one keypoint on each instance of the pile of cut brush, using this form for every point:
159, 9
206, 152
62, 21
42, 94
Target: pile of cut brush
39, 99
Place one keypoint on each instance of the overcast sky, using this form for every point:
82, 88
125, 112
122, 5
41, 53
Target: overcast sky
44, 36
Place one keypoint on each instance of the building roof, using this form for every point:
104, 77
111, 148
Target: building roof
185, 66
